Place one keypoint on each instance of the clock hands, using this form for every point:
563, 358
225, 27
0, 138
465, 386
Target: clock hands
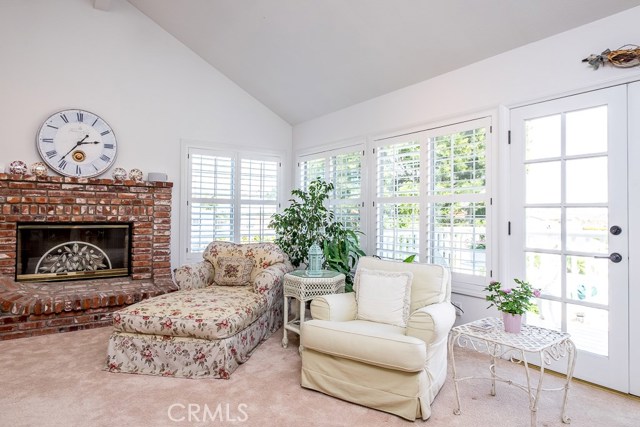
79, 143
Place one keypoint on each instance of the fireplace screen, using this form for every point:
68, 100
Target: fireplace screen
49, 252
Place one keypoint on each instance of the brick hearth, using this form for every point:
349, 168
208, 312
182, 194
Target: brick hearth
28, 309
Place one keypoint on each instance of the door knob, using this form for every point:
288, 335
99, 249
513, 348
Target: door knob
614, 257
615, 230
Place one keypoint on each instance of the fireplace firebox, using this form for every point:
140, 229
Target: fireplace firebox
62, 251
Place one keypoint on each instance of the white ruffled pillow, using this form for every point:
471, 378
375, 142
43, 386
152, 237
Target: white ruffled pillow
383, 296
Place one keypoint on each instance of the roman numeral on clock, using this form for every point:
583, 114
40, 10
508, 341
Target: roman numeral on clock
105, 158
62, 164
106, 132
64, 118
108, 146
78, 170
50, 140
51, 154
80, 116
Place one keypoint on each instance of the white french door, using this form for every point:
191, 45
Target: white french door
569, 224
634, 237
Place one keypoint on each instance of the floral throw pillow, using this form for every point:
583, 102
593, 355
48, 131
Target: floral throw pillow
232, 271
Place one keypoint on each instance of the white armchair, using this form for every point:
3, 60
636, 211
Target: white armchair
398, 366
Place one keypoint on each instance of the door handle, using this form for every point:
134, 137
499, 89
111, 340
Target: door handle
615, 230
614, 257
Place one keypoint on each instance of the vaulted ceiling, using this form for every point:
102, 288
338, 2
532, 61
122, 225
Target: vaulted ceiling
307, 58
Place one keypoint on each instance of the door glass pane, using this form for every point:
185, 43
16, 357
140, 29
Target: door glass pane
543, 182
587, 180
587, 279
542, 137
589, 328
549, 315
544, 271
543, 229
587, 230
587, 131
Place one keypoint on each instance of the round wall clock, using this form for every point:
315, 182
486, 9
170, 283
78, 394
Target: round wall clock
77, 143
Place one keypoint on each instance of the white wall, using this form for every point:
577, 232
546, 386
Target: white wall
150, 88
548, 68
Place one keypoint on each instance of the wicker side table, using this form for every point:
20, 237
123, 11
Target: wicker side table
302, 287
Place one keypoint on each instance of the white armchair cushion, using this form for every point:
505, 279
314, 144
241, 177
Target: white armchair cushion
372, 343
383, 296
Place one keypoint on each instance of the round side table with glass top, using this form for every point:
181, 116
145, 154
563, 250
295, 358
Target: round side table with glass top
299, 285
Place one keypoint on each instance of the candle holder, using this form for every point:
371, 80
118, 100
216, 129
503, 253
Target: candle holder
314, 268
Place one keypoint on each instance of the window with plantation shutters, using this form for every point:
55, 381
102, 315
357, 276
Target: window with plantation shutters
258, 199
311, 169
457, 197
396, 201
344, 169
212, 213
231, 196
431, 197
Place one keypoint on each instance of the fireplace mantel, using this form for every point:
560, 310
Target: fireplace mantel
28, 198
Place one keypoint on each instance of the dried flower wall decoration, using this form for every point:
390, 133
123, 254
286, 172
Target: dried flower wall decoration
624, 57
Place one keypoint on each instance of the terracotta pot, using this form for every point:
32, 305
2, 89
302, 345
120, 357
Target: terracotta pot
512, 322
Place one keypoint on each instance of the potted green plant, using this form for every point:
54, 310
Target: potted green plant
306, 221
342, 253
513, 302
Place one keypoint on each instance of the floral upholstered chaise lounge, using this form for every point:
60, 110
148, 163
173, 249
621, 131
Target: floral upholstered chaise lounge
227, 304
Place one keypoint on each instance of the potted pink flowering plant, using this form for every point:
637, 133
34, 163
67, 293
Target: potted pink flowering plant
513, 302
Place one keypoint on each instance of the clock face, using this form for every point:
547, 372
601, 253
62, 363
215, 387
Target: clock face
77, 143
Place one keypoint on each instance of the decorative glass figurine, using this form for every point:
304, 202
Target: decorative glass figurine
314, 268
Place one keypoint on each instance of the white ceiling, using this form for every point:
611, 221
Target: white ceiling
306, 58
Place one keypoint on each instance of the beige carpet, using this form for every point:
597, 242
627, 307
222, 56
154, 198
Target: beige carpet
57, 380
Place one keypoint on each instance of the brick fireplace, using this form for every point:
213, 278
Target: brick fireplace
32, 308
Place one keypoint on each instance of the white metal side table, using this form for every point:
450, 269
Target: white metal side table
303, 287
488, 336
